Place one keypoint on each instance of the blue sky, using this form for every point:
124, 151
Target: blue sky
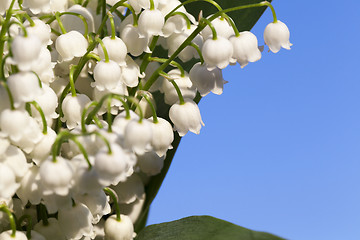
280, 149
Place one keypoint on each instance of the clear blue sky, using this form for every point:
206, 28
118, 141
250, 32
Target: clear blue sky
280, 149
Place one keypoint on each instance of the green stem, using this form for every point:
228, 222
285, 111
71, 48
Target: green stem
61, 25
112, 23
108, 115
146, 58
29, 225
198, 51
152, 5
20, 25
114, 198
147, 98
232, 24
107, 143
188, 22
82, 150
4, 28
181, 98
32, 23
172, 63
7, 211
214, 37
43, 119
83, 127
60, 138
71, 80
106, 55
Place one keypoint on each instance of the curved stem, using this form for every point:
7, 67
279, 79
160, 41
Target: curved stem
41, 112
83, 114
188, 23
107, 143
83, 19
106, 55
152, 5
147, 98
198, 51
181, 98
172, 63
82, 150
71, 80
108, 115
112, 24
232, 24
60, 138
61, 25
4, 28
29, 225
214, 37
114, 198
7, 211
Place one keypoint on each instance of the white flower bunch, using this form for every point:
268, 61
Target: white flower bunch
81, 129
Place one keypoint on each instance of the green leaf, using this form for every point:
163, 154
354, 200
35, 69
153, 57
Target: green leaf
244, 19
201, 227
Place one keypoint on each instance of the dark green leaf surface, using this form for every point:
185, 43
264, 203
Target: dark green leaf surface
244, 19
201, 227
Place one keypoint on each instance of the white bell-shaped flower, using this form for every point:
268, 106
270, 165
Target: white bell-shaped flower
48, 103
130, 190
163, 136
276, 36
70, 45
86, 180
115, 103
4, 144
30, 187
142, 4
7, 235
176, 39
116, 49
111, 168
174, 24
136, 44
151, 163
184, 83
19, 127
36, 236
120, 121
138, 136
104, 80
115, 230
218, 52
74, 23
186, 117
51, 231
206, 80
245, 48
4, 5
25, 50
30, 137
24, 87
43, 66
8, 185
97, 203
56, 177
16, 160
54, 202
222, 28
72, 108
42, 149
131, 73
76, 222
134, 209
37, 6
151, 22
40, 29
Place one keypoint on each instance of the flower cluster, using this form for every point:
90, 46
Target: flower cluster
81, 132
